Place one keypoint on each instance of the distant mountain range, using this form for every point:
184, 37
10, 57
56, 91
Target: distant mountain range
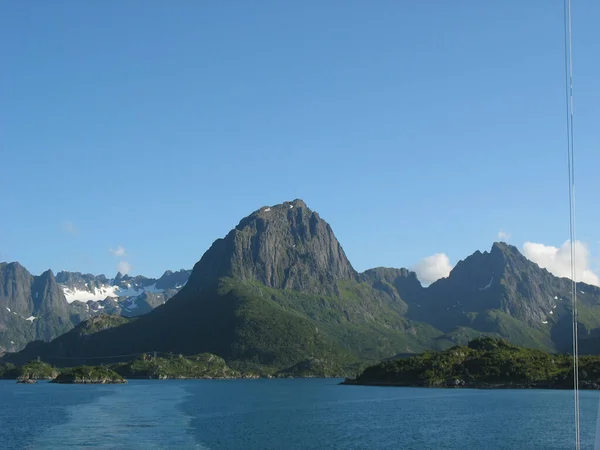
278, 290
44, 307
124, 295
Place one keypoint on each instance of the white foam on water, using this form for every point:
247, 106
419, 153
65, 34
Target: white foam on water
138, 415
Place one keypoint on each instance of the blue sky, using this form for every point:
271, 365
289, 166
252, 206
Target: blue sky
413, 128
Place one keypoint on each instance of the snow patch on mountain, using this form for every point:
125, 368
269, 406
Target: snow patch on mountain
85, 295
101, 293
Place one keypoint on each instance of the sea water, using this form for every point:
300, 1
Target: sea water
286, 414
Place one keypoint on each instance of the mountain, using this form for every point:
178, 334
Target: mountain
276, 290
287, 246
503, 293
44, 307
279, 292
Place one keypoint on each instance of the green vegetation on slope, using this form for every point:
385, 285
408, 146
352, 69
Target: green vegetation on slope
283, 327
485, 362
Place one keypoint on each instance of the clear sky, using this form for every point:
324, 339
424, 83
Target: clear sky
413, 128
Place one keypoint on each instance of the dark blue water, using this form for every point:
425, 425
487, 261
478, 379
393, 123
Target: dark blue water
286, 414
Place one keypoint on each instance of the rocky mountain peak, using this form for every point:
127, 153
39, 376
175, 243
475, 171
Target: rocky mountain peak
508, 254
48, 297
285, 246
503, 279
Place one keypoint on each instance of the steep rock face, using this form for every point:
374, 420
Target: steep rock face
286, 246
15, 288
48, 297
32, 307
29, 295
51, 310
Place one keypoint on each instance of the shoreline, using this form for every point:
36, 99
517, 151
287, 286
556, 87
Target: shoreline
50, 380
484, 386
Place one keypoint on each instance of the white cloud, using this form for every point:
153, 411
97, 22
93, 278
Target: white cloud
558, 260
503, 235
124, 267
433, 268
70, 228
119, 251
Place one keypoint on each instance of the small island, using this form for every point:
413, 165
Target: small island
28, 373
483, 363
201, 366
169, 366
89, 375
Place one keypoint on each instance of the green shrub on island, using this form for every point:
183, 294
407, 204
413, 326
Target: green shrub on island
204, 365
89, 375
33, 370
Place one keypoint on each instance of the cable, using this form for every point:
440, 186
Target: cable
571, 168
96, 357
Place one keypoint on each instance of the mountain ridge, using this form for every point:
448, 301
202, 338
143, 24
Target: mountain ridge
278, 289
